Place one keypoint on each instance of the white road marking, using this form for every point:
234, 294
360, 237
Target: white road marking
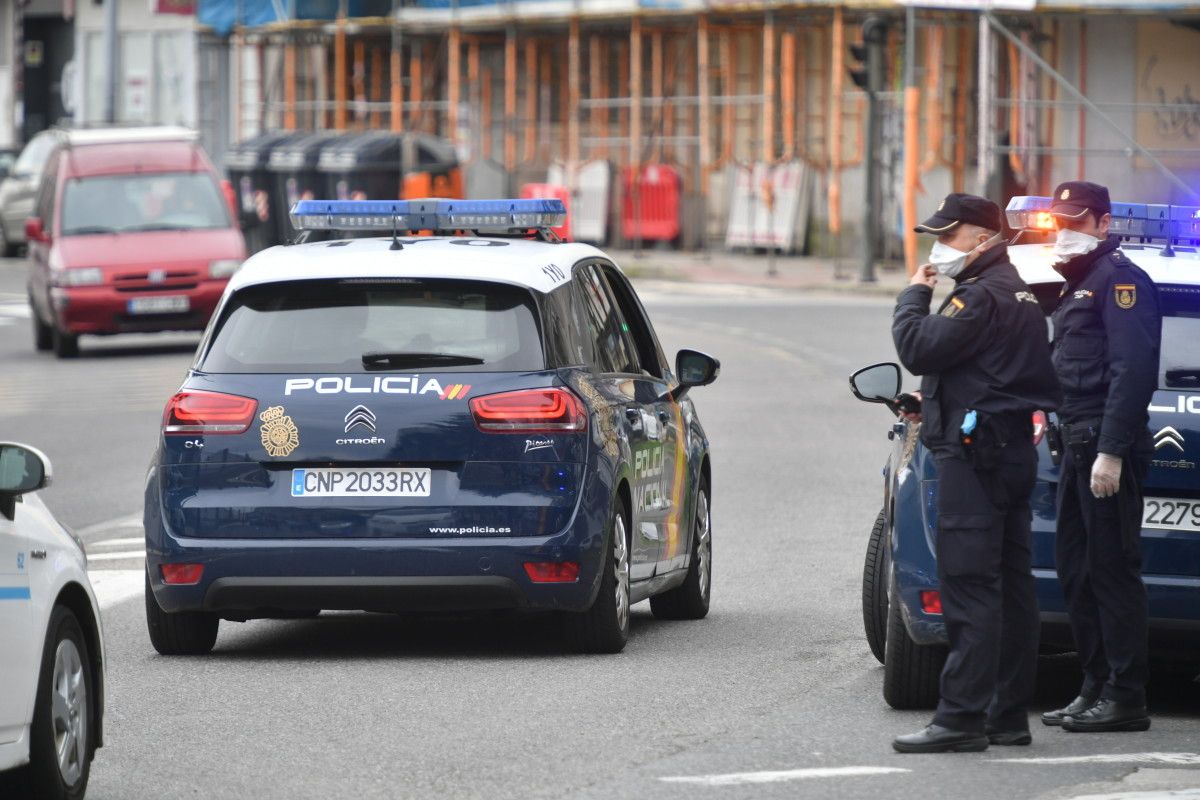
1158, 794
113, 586
130, 521
780, 776
1175, 759
14, 310
118, 542
122, 556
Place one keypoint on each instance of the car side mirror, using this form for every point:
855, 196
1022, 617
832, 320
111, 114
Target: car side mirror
22, 470
878, 383
694, 368
34, 232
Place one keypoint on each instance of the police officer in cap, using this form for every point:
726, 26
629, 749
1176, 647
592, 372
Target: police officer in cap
985, 364
1106, 345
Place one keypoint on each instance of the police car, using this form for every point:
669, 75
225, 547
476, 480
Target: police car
901, 604
477, 419
51, 648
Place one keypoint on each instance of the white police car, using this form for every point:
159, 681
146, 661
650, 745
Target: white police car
478, 420
51, 648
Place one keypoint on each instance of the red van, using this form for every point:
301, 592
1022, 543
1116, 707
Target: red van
132, 231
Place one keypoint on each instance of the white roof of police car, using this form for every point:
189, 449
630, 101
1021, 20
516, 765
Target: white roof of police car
519, 261
1035, 263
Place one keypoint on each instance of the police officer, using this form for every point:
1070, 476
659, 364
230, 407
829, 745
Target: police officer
1106, 344
985, 364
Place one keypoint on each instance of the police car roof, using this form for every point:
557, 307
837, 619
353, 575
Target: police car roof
522, 262
1035, 263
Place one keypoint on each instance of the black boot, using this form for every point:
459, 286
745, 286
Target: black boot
936, 739
1076, 706
1108, 715
1019, 736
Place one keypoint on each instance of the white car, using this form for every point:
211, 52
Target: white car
52, 657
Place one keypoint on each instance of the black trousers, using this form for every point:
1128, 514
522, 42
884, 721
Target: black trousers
1100, 567
988, 600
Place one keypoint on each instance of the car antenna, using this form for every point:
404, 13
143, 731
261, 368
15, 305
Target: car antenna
395, 235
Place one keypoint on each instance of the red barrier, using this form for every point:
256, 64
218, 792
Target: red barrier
551, 191
653, 213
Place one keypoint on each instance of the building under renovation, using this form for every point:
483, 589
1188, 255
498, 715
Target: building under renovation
744, 121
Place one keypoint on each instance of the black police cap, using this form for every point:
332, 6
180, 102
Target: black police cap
1073, 199
958, 208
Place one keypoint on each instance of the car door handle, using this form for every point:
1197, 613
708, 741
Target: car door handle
897, 430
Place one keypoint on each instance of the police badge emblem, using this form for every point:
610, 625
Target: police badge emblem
279, 434
1126, 295
1066, 195
941, 205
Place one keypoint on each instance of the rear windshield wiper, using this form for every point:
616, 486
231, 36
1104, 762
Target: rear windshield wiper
1187, 375
400, 360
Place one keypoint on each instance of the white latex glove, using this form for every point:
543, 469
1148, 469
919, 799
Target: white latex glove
1106, 475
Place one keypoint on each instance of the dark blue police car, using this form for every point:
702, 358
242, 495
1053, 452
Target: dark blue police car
901, 604
479, 420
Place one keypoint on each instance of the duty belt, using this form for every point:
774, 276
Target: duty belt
1081, 432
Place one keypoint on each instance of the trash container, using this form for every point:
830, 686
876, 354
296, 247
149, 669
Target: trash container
365, 166
293, 168
246, 165
431, 168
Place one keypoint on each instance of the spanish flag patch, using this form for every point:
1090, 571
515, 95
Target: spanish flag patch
953, 307
1125, 294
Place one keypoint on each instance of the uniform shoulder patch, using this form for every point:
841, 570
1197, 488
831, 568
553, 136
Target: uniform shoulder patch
953, 307
1125, 294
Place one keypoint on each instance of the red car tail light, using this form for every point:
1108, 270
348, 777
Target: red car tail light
530, 411
1039, 427
193, 411
552, 571
182, 574
931, 602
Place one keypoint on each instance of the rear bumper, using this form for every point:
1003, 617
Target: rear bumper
242, 577
104, 310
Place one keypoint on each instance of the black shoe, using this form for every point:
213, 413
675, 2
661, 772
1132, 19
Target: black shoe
936, 739
1014, 737
1108, 715
1076, 706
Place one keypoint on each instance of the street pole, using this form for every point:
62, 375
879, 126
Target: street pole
874, 38
113, 56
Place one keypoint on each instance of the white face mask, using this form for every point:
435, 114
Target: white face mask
1073, 243
951, 261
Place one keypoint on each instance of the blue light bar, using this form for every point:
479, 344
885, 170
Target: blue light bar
491, 216
1145, 222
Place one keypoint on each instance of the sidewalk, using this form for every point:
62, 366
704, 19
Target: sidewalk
794, 273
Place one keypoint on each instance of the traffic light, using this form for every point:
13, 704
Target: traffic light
869, 73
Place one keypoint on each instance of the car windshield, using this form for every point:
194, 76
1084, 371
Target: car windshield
364, 325
33, 157
130, 203
1179, 360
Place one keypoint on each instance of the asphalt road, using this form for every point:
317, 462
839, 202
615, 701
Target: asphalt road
774, 695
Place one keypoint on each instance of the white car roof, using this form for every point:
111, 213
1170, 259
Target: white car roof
541, 266
1035, 263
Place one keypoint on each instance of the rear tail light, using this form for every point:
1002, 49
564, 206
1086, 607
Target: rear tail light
931, 602
182, 574
552, 571
192, 411
1039, 427
530, 411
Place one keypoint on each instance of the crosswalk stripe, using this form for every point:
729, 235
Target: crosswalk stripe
123, 556
780, 776
119, 542
113, 586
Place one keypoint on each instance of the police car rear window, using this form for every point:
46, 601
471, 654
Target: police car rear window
368, 325
1179, 359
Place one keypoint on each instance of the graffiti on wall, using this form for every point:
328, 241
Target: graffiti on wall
1168, 90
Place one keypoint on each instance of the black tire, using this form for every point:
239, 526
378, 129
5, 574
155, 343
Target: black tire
7, 250
183, 633
691, 598
45, 779
604, 628
43, 334
65, 345
911, 671
874, 588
